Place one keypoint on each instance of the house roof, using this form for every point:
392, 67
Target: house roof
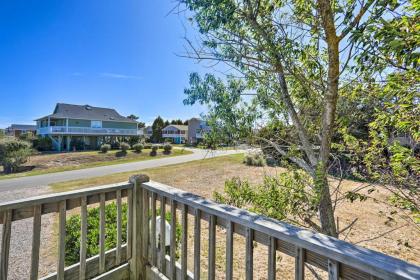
22, 127
87, 112
178, 126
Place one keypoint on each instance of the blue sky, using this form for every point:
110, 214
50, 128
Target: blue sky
119, 54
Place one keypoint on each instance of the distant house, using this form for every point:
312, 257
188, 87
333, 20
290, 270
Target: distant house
177, 133
197, 128
18, 129
148, 131
89, 126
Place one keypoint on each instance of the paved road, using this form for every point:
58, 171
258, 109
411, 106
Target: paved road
46, 179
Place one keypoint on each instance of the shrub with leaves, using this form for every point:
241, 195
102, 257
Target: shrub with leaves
42, 144
72, 248
13, 153
154, 150
105, 148
138, 147
254, 159
288, 196
167, 148
124, 147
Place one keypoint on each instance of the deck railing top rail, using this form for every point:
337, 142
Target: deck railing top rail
330, 249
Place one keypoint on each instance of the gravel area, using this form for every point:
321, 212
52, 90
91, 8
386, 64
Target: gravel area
21, 239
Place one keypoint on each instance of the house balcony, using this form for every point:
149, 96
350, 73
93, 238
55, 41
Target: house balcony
64, 130
173, 135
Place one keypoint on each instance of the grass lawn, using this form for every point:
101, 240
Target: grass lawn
57, 162
373, 229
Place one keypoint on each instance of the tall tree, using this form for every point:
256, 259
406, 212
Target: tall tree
293, 56
157, 126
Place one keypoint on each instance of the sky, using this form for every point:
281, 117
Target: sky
119, 54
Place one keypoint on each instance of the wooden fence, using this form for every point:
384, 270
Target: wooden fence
145, 255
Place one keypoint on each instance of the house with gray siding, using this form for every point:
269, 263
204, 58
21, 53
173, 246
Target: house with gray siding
89, 125
18, 129
197, 128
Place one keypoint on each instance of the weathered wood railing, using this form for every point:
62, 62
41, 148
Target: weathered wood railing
143, 256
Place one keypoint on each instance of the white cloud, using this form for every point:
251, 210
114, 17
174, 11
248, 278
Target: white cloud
119, 76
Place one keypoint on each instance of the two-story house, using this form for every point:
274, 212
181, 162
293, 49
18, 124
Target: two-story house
177, 133
197, 128
18, 129
89, 125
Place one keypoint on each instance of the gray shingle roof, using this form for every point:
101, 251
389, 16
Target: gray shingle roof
23, 127
87, 112
177, 126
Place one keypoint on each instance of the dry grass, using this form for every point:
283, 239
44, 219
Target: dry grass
374, 228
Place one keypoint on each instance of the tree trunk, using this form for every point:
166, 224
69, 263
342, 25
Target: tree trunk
326, 211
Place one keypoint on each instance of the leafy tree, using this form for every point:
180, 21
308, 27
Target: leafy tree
157, 127
293, 57
177, 122
133, 117
13, 153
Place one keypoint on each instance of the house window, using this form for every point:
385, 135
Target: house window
96, 124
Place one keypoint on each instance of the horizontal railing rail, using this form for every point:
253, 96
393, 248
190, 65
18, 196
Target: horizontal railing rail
154, 251
86, 130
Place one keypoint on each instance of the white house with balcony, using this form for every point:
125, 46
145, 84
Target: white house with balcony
177, 133
70, 124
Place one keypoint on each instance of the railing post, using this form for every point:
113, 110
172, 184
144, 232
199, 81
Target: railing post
137, 262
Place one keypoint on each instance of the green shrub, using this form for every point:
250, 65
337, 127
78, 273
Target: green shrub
72, 247
154, 150
167, 148
147, 146
138, 147
288, 196
124, 147
42, 144
254, 159
105, 148
13, 153
168, 140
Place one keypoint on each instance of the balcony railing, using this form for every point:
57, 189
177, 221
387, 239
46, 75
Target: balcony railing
86, 131
142, 258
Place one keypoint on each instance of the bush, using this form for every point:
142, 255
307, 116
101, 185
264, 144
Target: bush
72, 248
138, 147
42, 144
147, 146
124, 147
167, 148
154, 150
254, 159
168, 140
13, 153
105, 148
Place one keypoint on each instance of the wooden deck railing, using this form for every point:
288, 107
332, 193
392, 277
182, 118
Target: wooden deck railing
142, 258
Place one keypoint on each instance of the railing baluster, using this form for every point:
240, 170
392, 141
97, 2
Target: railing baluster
130, 223
5, 244
197, 243
249, 255
162, 234
102, 233
119, 228
61, 239
83, 237
173, 239
184, 241
272, 247
212, 248
333, 272
153, 231
229, 250
36, 237
299, 264
145, 239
